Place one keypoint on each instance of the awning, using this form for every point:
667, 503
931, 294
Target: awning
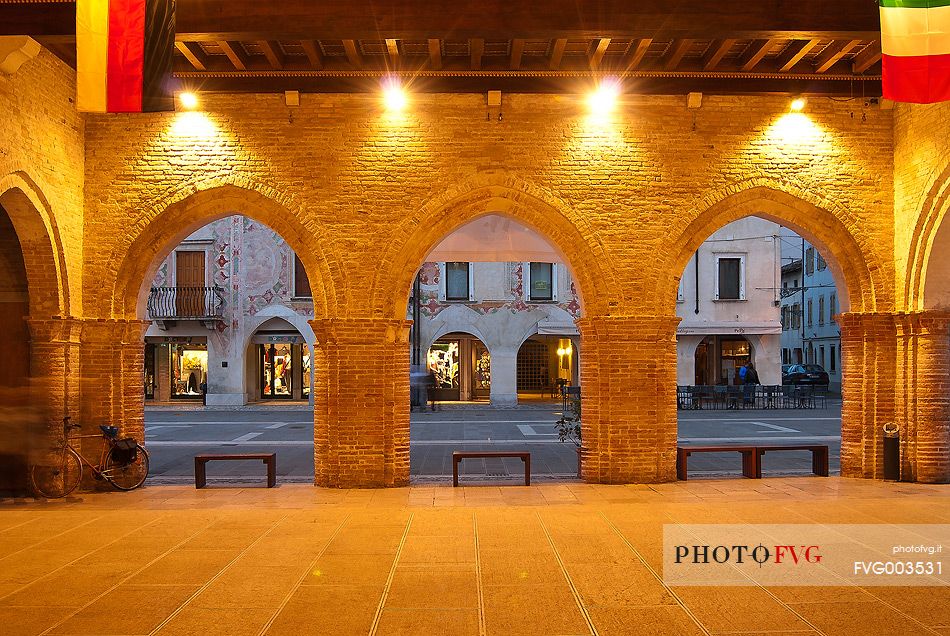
730, 329
546, 328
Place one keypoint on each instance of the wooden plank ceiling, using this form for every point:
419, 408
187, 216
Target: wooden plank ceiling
770, 46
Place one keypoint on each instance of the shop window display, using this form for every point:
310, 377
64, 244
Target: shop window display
305, 366
481, 378
276, 371
444, 363
189, 368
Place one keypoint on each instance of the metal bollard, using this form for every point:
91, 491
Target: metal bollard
892, 452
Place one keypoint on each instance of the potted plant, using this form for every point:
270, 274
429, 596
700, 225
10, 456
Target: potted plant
568, 427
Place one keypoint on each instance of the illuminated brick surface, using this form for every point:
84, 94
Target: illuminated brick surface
362, 196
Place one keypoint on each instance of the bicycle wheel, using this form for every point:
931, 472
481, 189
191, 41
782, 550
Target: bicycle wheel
57, 480
127, 476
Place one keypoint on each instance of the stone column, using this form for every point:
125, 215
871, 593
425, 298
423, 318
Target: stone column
628, 380
504, 377
361, 402
923, 404
112, 367
868, 371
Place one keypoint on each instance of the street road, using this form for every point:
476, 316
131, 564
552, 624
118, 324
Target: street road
175, 436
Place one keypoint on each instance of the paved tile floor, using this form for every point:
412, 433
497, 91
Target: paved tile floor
549, 559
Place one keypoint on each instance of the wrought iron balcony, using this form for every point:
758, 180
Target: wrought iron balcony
185, 303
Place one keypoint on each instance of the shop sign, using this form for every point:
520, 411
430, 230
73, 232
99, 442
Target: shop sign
279, 339
183, 339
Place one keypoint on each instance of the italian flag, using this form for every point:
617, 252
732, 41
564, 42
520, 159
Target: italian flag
123, 55
915, 42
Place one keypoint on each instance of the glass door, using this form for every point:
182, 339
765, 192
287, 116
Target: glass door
276, 371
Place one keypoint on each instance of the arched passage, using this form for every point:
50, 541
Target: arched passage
116, 343
571, 238
38, 340
924, 341
868, 337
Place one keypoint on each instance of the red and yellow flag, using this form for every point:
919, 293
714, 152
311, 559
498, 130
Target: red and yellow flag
915, 42
124, 52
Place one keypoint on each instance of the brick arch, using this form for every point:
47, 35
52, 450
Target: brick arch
43, 255
822, 223
182, 212
922, 284
568, 232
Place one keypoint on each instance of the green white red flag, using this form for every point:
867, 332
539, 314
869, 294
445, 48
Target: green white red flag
124, 53
915, 42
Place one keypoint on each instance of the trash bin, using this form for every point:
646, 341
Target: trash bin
892, 452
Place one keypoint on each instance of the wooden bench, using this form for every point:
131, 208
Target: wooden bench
458, 456
819, 456
270, 459
750, 458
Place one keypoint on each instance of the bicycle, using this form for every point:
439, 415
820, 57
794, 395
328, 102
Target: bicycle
122, 463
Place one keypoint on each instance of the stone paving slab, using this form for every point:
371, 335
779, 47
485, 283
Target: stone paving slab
547, 559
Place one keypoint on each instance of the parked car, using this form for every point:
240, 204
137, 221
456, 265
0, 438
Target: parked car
805, 374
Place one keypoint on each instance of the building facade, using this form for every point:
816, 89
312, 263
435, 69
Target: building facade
728, 305
229, 308
810, 330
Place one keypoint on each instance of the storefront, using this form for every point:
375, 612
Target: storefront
461, 364
176, 368
544, 363
719, 358
284, 366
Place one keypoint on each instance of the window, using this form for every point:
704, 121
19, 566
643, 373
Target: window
832, 307
821, 355
784, 318
821, 310
458, 281
808, 318
822, 265
541, 282
731, 272
810, 261
832, 362
301, 282
796, 316
795, 283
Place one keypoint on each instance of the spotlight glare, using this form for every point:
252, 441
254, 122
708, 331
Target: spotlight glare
188, 100
798, 104
604, 99
394, 96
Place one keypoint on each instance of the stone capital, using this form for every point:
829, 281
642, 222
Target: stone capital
15, 50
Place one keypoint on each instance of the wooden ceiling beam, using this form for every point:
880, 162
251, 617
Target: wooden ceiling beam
472, 83
557, 52
392, 48
677, 51
833, 53
794, 53
717, 50
476, 48
275, 57
235, 53
251, 20
866, 58
353, 53
754, 54
636, 52
435, 54
193, 53
313, 53
598, 50
517, 50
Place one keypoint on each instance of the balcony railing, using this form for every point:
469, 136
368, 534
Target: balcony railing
185, 303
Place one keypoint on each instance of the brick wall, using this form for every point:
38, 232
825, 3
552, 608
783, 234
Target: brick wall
362, 196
